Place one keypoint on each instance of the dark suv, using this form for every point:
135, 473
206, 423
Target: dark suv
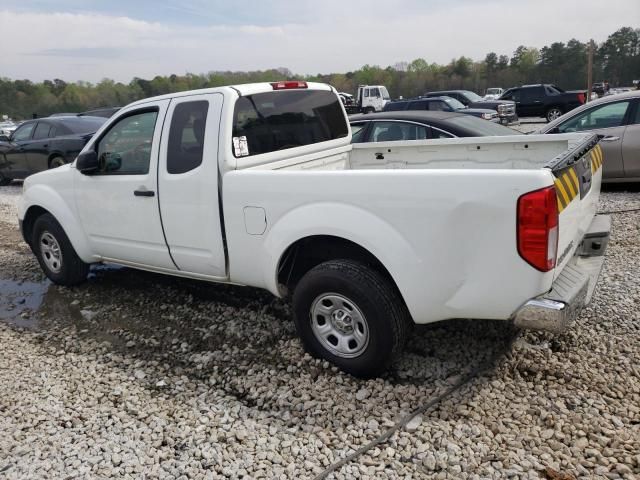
542, 100
506, 109
441, 104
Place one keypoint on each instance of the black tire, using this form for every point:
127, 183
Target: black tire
369, 110
386, 317
56, 162
553, 113
71, 270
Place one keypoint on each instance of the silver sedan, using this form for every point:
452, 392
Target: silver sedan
617, 119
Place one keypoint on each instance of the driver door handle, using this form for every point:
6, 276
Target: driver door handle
144, 193
609, 138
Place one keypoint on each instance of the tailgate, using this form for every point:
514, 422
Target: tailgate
578, 176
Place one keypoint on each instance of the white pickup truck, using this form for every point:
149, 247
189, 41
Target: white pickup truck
259, 185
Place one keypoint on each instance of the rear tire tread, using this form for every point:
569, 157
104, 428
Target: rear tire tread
382, 293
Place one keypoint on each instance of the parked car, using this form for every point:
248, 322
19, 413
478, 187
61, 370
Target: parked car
106, 112
259, 185
506, 109
617, 118
394, 126
493, 93
37, 145
544, 100
600, 88
440, 104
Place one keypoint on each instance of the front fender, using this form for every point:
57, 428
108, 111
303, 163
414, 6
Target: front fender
49, 199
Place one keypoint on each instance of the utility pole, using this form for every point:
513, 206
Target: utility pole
589, 70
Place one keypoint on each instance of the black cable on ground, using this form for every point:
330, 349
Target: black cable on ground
476, 372
613, 212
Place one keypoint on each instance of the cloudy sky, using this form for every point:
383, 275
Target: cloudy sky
119, 39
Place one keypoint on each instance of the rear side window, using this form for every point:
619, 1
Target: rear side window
42, 131
186, 136
422, 105
267, 122
394, 106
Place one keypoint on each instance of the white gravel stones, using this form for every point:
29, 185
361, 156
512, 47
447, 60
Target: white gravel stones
178, 379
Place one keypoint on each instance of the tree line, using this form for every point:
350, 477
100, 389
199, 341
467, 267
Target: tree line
616, 60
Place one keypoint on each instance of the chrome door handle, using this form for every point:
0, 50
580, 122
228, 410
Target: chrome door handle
609, 138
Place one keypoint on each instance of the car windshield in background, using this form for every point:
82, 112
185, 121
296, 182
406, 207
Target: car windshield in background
455, 104
493, 91
267, 122
385, 93
474, 97
481, 127
83, 124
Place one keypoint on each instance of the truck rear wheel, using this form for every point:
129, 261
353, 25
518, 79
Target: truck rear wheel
350, 315
553, 113
56, 255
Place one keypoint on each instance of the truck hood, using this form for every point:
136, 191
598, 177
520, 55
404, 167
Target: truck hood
58, 175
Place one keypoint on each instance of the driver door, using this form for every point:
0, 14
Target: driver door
118, 204
15, 163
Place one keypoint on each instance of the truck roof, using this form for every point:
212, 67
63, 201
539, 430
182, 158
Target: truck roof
241, 90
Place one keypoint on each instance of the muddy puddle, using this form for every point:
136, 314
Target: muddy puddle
20, 300
25, 303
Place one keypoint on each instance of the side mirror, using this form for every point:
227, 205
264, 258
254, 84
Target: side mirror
87, 162
4, 138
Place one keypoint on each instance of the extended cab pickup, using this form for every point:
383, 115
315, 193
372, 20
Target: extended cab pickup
259, 185
546, 101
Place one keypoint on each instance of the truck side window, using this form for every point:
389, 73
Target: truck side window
186, 136
126, 148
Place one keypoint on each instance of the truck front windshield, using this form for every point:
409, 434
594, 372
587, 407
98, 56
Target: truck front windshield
385, 93
454, 104
472, 96
270, 121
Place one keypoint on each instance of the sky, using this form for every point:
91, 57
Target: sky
120, 39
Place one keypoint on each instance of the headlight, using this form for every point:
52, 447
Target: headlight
487, 116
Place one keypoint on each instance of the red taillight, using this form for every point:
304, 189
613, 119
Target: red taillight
538, 228
581, 97
289, 84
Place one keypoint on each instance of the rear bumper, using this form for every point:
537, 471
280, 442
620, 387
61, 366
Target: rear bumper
556, 310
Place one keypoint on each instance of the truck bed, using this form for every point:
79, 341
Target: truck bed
448, 205
512, 153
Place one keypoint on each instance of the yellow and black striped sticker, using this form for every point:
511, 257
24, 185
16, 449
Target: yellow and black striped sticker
567, 187
596, 158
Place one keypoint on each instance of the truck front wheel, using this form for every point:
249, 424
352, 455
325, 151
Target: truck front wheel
54, 252
350, 315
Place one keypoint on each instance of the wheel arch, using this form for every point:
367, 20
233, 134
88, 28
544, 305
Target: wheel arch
36, 197
53, 155
310, 251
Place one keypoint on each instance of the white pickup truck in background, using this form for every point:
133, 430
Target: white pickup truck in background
259, 185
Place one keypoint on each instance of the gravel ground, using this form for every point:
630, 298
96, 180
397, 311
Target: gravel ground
136, 375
